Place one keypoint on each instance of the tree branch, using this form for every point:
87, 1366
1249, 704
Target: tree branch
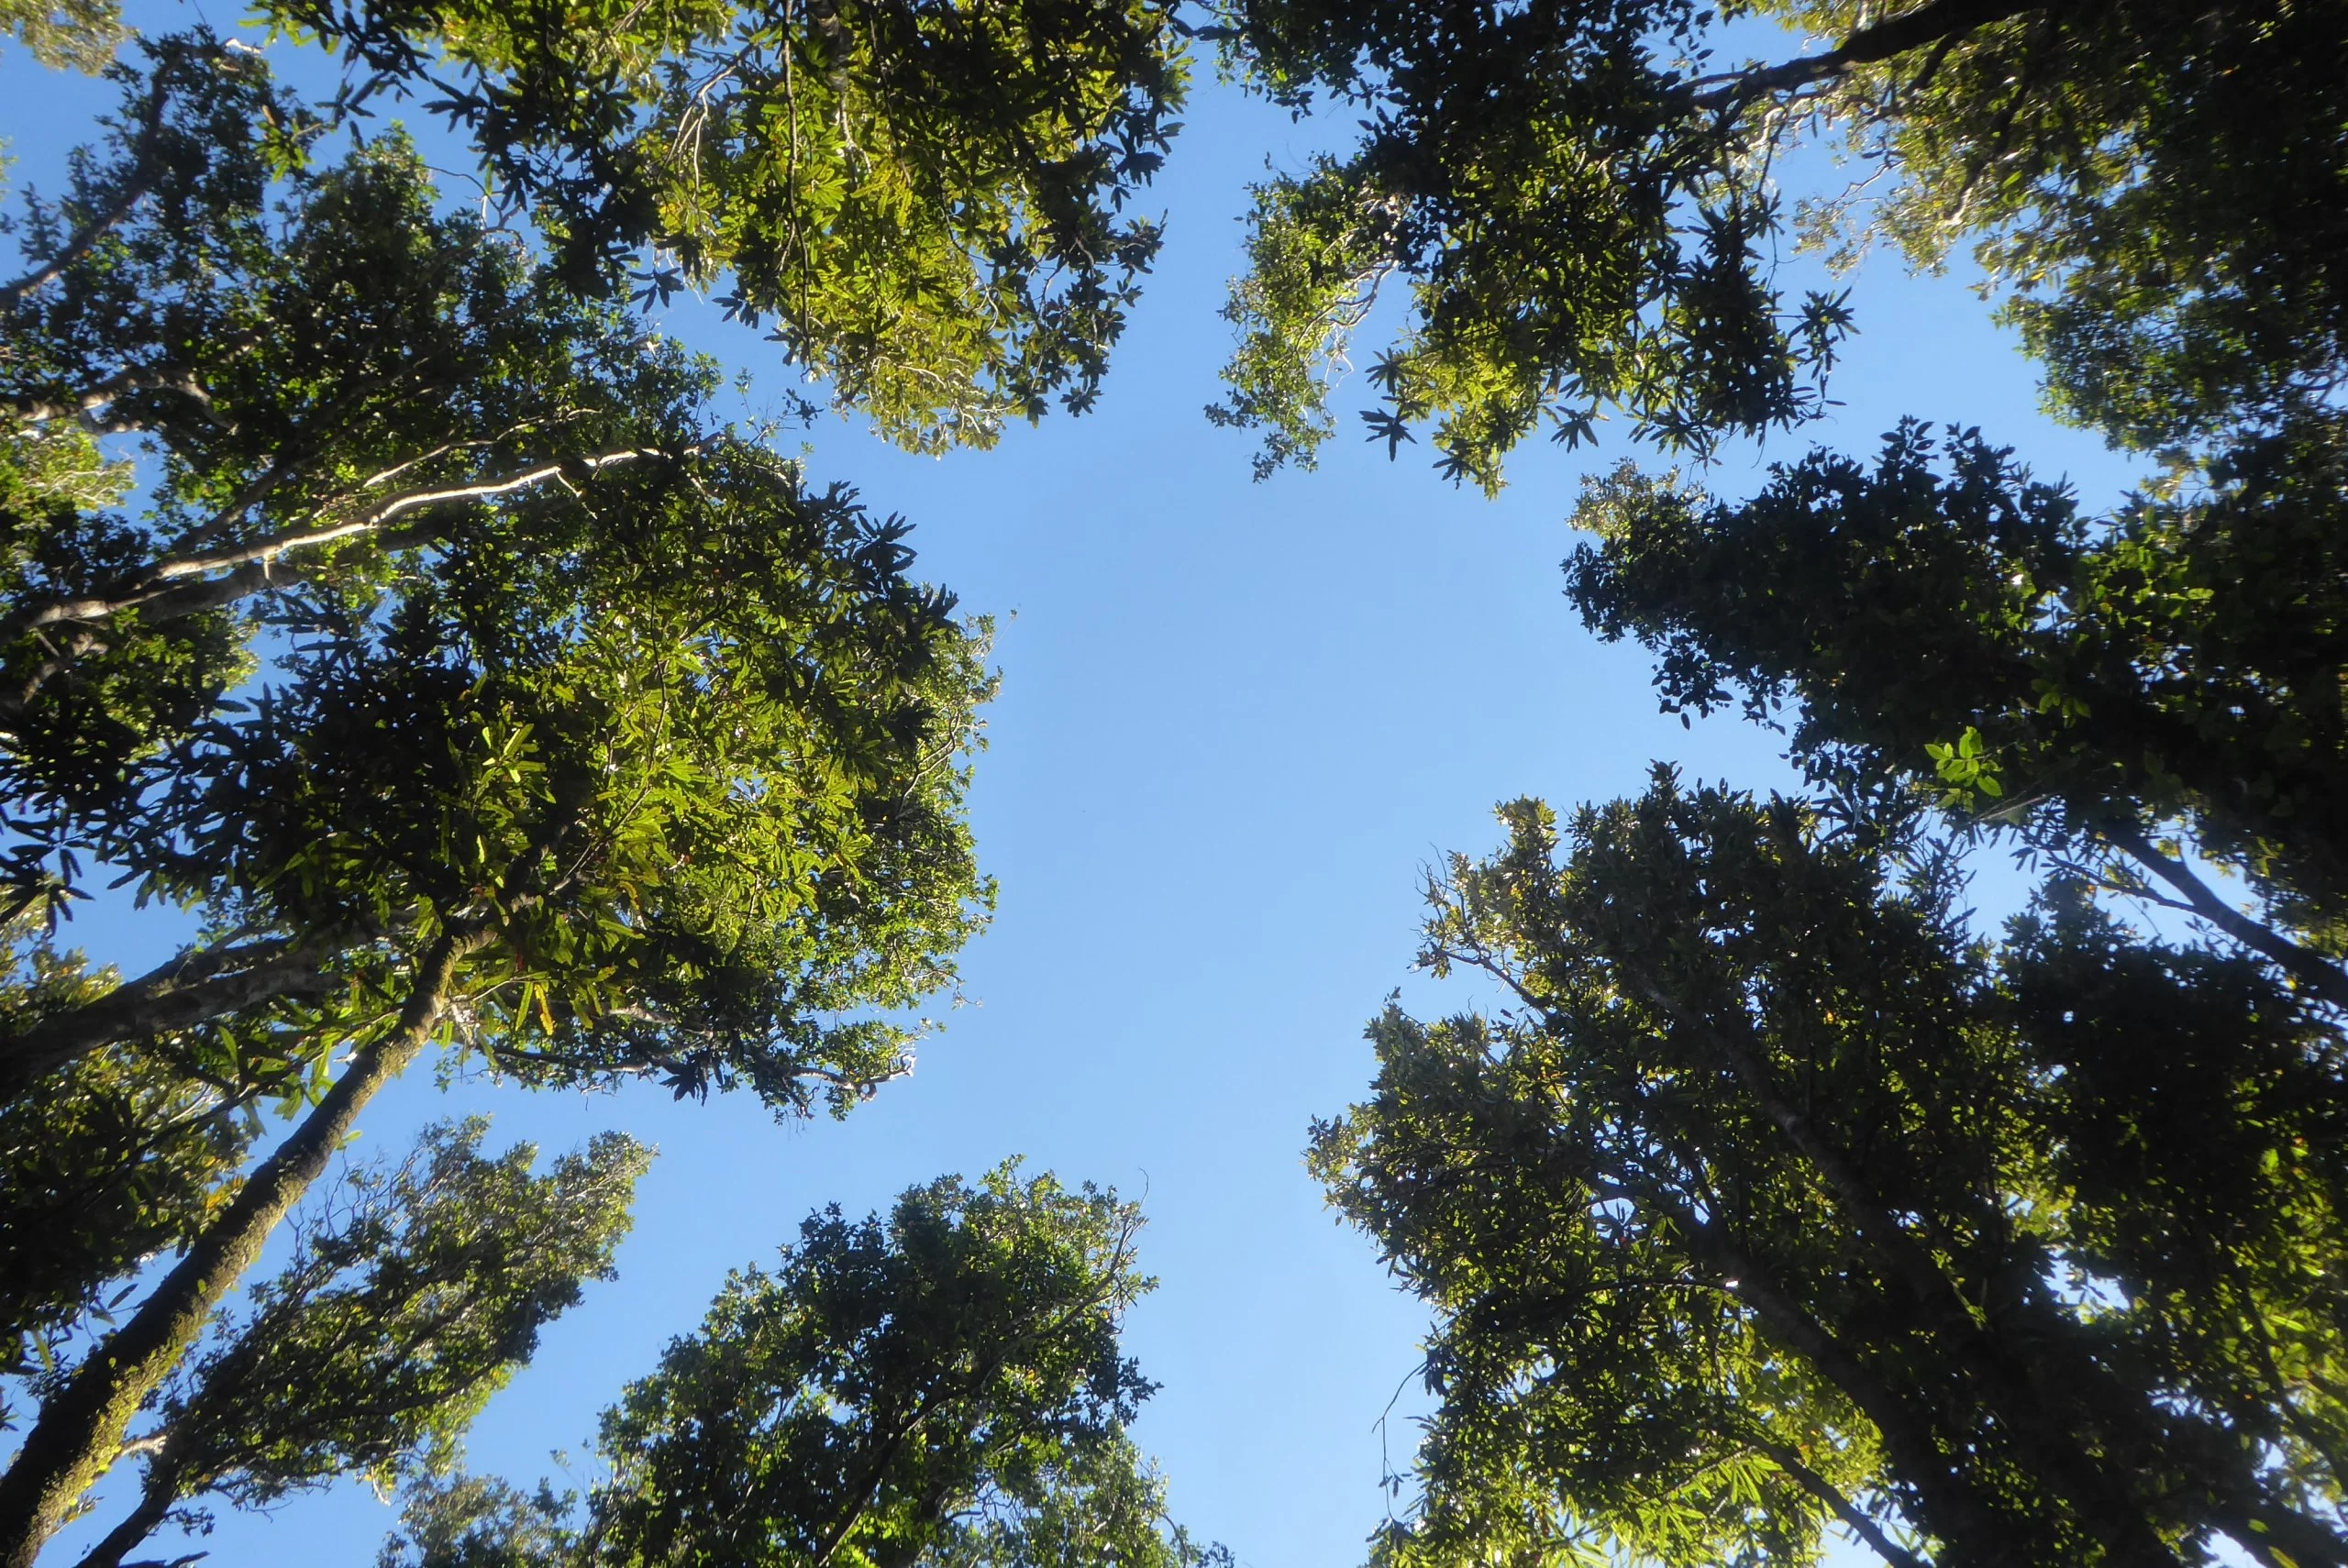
2017, 1365
1954, 1507
82, 407
195, 986
95, 227
79, 1432
157, 1491
1930, 23
2317, 973
182, 585
1826, 1492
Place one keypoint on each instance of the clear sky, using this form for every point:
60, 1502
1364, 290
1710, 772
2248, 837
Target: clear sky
1237, 720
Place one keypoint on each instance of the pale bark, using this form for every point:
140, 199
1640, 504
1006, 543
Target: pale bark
186, 584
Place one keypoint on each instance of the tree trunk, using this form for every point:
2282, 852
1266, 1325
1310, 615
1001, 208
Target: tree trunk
2016, 1372
80, 1429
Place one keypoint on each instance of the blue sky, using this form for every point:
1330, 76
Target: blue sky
1237, 720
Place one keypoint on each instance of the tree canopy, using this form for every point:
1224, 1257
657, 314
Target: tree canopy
379, 581
1582, 198
412, 1296
1940, 618
1777, 1199
943, 1387
928, 201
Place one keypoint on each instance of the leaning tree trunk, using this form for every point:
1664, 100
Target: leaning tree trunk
79, 1433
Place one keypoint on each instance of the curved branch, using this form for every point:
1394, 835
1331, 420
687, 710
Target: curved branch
100, 223
82, 407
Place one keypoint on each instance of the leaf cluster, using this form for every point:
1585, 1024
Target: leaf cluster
927, 200
2157, 190
1573, 237
123, 1154
1583, 199
78, 35
2178, 661
552, 651
408, 1303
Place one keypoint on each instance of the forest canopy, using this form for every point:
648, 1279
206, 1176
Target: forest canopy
384, 584
1779, 1197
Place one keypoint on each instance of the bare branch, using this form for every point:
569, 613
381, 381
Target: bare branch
180, 586
82, 407
95, 227
158, 584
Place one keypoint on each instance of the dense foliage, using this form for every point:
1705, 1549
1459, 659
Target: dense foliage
1940, 616
412, 1296
1777, 1199
378, 581
943, 1387
926, 200
1582, 197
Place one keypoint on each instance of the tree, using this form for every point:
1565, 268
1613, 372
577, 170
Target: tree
477, 683
347, 465
1580, 197
634, 852
596, 745
1786, 1199
1777, 1199
942, 1387
1940, 621
407, 1304
1781, 1198
118, 1158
